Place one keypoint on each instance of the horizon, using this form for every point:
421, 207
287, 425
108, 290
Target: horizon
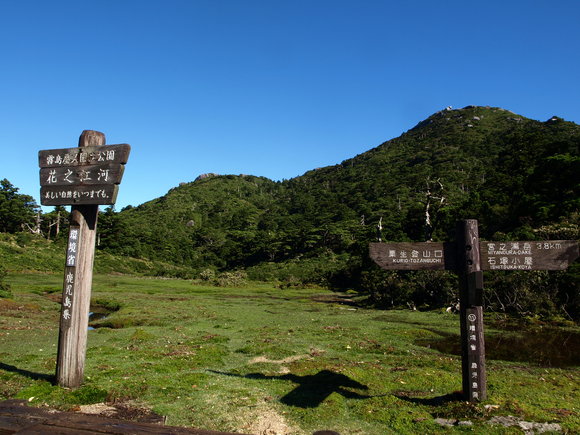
270, 90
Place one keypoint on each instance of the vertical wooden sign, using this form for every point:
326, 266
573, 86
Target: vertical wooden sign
78, 277
469, 257
471, 311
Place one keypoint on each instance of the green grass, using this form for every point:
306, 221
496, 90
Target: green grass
228, 358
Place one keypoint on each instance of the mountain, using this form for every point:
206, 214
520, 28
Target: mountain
517, 176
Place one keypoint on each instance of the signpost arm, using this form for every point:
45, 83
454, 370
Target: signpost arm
471, 311
77, 285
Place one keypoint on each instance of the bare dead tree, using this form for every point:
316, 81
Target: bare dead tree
433, 197
36, 228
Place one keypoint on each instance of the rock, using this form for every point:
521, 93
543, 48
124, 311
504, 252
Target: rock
204, 176
448, 422
529, 427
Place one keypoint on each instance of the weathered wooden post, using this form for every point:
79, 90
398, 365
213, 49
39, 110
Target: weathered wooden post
83, 177
78, 279
471, 311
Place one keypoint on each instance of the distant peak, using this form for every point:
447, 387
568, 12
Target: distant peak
207, 175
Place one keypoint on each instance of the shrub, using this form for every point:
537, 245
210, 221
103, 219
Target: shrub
236, 278
207, 275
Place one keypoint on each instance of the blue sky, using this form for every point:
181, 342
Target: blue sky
269, 88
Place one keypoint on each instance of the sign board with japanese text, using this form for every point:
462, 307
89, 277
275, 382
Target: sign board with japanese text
79, 194
81, 156
414, 256
82, 175
521, 255
528, 255
469, 257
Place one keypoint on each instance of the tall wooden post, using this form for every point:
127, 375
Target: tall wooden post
78, 276
471, 311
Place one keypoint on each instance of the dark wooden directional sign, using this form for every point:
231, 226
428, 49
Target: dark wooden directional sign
82, 175
414, 256
525, 255
469, 257
528, 255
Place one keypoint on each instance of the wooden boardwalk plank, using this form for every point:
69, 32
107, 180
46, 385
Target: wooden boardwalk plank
18, 418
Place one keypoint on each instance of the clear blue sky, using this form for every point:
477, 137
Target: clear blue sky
270, 88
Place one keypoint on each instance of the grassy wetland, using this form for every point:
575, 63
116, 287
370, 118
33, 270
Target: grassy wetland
264, 360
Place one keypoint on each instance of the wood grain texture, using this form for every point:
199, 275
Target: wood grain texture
474, 379
72, 340
16, 417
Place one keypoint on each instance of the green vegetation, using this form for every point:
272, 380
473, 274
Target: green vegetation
519, 177
296, 359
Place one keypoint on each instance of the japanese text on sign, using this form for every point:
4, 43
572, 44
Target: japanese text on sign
84, 156
80, 194
528, 255
72, 249
413, 255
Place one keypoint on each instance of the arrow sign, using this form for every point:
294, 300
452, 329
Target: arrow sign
414, 256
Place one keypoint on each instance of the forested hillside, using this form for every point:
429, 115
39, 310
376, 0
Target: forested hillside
519, 177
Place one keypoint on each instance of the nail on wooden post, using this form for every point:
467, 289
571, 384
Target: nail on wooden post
78, 276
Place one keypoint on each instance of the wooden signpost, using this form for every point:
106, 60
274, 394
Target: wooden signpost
469, 257
83, 177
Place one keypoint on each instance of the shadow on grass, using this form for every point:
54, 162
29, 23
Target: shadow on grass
28, 374
433, 401
312, 390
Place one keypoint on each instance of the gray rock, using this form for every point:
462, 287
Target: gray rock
529, 427
448, 422
204, 176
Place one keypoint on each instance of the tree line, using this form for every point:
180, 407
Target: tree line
518, 177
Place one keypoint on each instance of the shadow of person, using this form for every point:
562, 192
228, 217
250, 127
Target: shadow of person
27, 373
312, 390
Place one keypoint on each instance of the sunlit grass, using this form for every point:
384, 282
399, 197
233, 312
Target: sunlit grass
224, 358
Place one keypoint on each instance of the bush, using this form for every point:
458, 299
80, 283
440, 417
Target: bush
207, 275
236, 278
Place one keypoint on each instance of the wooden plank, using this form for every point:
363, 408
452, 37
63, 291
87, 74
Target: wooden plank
414, 255
91, 175
84, 156
79, 195
471, 313
17, 417
529, 255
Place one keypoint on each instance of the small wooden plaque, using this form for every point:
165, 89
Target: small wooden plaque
528, 255
79, 195
82, 156
414, 256
91, 175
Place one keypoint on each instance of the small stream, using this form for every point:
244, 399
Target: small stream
96, 314
546, 346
